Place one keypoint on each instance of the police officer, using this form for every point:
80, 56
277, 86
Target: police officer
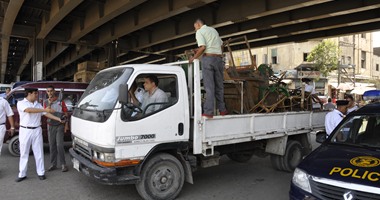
333, 118
5, 112
30, 133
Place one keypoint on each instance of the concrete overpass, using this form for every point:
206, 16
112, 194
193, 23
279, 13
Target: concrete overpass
62, 33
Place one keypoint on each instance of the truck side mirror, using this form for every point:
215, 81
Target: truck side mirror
123, 94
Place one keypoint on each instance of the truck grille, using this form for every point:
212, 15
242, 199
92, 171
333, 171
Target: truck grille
328, 192
83, 150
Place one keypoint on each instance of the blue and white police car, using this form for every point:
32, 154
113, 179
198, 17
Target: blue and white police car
347, 164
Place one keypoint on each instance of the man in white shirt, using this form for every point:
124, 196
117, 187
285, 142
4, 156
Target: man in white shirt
333, 118
5, 112
153, 94
30, 133
310, 89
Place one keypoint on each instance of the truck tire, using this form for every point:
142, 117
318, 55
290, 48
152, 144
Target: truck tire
14, 146
293, 155
277, 162
162, 177
241, 157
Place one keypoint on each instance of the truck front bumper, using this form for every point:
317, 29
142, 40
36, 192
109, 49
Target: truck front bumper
109, 176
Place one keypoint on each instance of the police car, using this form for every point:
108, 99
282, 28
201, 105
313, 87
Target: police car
347, 164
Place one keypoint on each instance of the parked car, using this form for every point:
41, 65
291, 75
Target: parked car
70, 94
347, 164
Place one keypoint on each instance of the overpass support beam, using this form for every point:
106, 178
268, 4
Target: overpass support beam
38, 59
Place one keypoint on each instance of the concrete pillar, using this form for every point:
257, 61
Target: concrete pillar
38, 60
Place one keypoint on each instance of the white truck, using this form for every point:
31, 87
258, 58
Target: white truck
116, 142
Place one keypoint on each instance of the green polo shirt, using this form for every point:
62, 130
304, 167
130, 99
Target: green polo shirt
209, 37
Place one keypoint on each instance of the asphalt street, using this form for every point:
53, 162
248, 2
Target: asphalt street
230, 180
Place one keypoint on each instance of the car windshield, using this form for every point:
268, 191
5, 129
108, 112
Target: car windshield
102, 93
359, 130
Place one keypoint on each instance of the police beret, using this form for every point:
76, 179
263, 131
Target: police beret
341, 102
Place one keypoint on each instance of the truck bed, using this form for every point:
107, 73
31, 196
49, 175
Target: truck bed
232, 129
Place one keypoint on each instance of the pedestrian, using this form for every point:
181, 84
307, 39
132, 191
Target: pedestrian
329, 105
30, 133
334, 117
5, 112
5, 94
352, 106
211, 49
56, 130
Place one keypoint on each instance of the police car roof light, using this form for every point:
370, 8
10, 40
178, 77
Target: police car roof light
371, 95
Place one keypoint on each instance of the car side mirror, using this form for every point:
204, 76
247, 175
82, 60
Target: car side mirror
320, 136
123, 94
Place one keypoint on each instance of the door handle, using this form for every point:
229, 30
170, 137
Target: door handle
180, 129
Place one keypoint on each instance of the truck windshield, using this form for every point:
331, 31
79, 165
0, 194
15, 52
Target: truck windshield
101, 95
359, 130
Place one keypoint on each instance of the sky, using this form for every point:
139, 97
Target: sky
376, 39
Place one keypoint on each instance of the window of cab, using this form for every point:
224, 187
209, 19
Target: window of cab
137, 109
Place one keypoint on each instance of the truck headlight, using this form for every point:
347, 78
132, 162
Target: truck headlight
104, 157
301, 180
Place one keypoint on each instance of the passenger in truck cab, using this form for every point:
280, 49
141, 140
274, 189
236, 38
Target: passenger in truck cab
136, 94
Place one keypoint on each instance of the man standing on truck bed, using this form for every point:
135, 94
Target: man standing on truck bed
30, 133
56, 129
210, 45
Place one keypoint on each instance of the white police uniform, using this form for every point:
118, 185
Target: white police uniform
332, 120
30, 134
5, 111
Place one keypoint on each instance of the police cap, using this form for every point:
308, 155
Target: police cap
341, 102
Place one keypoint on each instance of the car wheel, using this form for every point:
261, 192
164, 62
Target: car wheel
14, 146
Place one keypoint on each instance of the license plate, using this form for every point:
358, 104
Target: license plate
75, 164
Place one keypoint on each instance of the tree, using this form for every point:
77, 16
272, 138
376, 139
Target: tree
325, 56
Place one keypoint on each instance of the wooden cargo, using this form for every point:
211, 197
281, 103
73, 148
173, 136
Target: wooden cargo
90, 66
84, 76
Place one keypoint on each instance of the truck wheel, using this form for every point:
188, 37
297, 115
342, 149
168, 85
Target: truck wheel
293, 155
14, 146
162, 177
277, 162
241, 157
